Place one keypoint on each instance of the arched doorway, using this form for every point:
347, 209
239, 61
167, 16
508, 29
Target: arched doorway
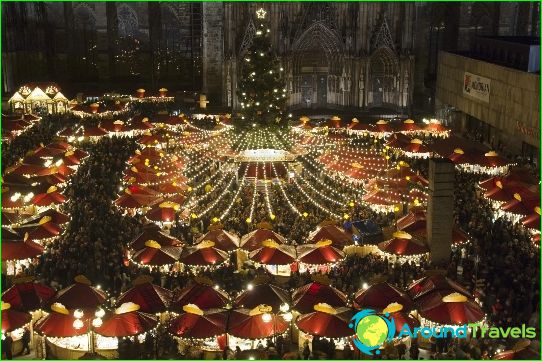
317, 66
383, 78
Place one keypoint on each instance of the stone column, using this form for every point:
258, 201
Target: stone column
440, 209
112, 35
213, 51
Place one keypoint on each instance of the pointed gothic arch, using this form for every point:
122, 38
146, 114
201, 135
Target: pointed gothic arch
317, 64
128, 21
321, 43
383, 69
180, 44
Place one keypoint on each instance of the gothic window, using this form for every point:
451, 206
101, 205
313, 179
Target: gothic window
316, 12
128, 23
180, 49
85, 42
128, 44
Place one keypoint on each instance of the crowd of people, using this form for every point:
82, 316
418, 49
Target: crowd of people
41, 132
94, 243
501, 255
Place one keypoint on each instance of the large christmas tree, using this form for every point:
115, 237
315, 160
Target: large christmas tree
261, 89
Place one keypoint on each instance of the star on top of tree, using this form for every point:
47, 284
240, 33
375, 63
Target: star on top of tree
260, 13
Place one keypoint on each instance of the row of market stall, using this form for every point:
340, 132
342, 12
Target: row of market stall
157, 130
14, 125
515, 196
202, 312
413, 141
380, 128
31, 196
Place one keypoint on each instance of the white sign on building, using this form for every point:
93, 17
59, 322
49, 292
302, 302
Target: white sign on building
476, 86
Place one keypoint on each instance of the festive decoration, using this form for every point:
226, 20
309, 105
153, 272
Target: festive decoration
261, 88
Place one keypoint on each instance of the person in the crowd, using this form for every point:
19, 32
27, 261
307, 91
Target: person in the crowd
25, 339
7, 346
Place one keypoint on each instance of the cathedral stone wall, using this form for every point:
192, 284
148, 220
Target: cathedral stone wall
363, 54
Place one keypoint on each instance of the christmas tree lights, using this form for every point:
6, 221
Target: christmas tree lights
261, 88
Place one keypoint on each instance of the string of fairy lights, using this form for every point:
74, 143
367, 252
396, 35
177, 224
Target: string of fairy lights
292, 206
266, 194
225, 128
323, 184
208, 180
195, 201
235, 196
217, 199
254, 194
319, 190
244, 141
313, 201
224, 171
329, 176
329, 199
198, 170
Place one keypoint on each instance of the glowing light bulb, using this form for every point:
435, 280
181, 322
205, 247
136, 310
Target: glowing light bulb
266, 317
78, 313
78, 324
287, 316
97, 322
